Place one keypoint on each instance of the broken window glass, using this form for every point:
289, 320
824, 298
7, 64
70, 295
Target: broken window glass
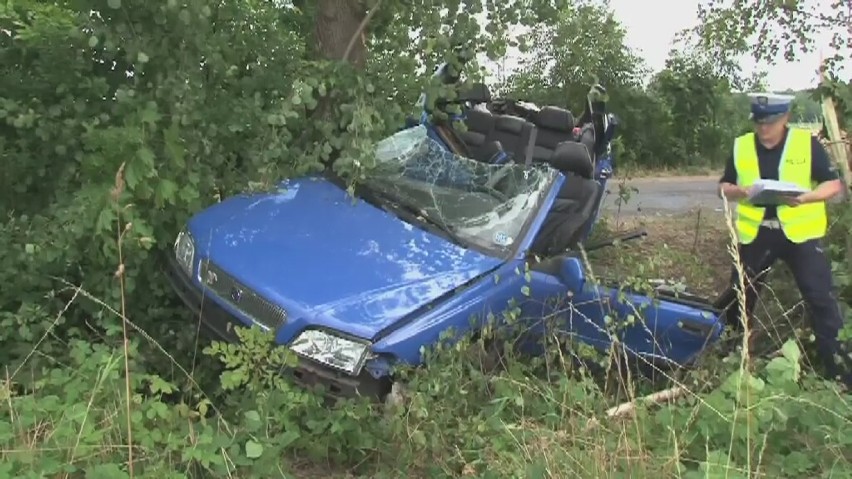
482, 204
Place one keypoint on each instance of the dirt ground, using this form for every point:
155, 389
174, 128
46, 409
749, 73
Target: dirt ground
689, 247
692, 249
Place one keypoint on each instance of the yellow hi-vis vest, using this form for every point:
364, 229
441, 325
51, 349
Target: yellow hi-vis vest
800, 223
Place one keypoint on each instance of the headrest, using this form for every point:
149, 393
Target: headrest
509, 123
588, 137
478, 120
479, 117
476, 93
573, 157
555, 118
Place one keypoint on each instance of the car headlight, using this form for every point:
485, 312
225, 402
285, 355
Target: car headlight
185, 251
330, 350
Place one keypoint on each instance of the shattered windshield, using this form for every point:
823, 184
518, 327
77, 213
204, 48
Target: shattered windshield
475, 203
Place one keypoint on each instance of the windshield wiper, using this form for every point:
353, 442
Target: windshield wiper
388, 200
442, 225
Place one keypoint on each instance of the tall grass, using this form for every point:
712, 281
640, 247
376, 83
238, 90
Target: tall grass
478, 410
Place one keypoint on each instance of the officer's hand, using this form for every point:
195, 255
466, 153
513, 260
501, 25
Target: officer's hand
735, 192
744, 192
792, 200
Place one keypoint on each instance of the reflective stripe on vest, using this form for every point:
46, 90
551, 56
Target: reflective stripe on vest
800, 223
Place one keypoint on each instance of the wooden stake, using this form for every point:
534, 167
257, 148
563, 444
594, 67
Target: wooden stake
837, 144
697, 229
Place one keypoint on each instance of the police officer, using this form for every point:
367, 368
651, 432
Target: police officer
791, 231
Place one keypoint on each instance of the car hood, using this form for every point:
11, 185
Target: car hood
332, 260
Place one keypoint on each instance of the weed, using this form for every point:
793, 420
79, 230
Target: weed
554, 415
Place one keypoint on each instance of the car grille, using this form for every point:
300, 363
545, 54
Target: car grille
241, 297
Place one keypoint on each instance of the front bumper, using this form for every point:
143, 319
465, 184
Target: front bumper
222, 324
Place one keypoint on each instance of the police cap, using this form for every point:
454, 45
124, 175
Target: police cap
769, 107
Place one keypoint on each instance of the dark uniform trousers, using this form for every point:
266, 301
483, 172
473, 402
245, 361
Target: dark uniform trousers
812, 272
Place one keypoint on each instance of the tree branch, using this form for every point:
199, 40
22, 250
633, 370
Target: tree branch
360, 31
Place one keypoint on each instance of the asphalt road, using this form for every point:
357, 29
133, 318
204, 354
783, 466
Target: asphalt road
663, 196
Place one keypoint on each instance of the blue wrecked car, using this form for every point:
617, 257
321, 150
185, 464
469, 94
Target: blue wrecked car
453, 224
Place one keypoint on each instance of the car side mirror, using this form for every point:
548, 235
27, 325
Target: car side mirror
571, 274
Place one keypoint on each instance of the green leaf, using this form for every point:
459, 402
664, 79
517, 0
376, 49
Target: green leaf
105, 471
105, 219
139, 167
146, 156
791, 351
114, 4
287, 438
93, 41
173, 145
536, 470
166, 191
253, 449
150, 114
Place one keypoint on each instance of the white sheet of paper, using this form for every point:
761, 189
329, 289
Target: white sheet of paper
769, 192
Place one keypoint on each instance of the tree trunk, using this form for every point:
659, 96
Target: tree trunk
338, 23
338, 37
